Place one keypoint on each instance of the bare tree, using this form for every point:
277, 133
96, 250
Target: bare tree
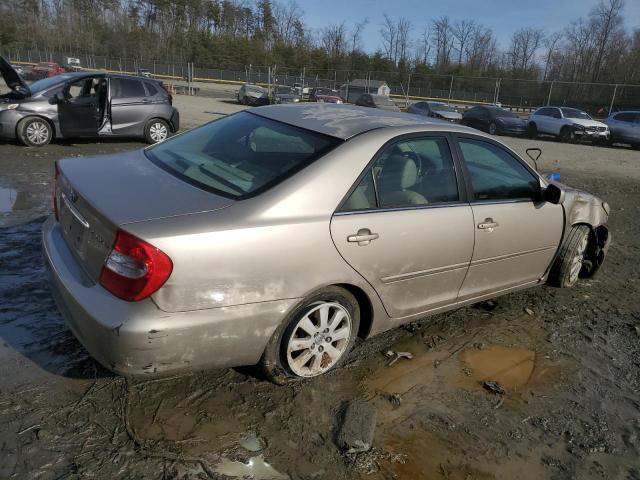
356, 35
441, 34
462, 32
551, 44
389, 33
606, 21
334, 40
525, 43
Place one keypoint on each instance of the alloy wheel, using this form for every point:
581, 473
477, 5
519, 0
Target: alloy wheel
319, 339
37, 132
158, 132
578, 259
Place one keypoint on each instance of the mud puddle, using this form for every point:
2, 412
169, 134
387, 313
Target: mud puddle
256, 469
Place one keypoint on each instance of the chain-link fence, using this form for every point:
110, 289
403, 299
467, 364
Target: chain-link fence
519, 94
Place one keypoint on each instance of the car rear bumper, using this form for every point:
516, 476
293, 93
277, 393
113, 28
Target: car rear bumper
137, 338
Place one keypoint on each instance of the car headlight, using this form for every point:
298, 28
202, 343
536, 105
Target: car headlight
578, 127
11, 106
338, 101
296, 100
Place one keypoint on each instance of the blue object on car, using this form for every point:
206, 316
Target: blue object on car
553, 176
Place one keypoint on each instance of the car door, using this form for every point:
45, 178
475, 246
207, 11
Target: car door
516, 233
406, 227
130, 106
541, 120
624, 125
78, 109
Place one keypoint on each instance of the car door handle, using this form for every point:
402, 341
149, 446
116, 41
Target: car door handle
488, 224
363, 237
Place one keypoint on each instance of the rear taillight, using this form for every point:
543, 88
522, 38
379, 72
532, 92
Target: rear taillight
134, 269
56, 174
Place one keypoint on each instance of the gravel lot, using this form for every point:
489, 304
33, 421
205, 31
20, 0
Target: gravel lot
571, 359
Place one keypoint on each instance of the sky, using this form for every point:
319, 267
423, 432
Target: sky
503, 16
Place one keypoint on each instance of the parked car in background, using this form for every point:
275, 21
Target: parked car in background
46, 69
250, 94
300, 90
567, 124
377, 101
494, 120
284, 94
624, 128
325, 95
144, 72
84, 104
72, 64
191, 245
436, 110
18, 68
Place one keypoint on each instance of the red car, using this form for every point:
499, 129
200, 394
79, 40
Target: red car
46, 69
325, 95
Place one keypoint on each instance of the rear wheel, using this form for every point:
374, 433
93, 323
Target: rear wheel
315, 338
34, 132
570, 263
156, 131
493, 128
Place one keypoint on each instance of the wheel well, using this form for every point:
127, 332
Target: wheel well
53, 127
366, 308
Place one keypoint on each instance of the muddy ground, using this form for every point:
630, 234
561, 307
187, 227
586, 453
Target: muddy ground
568, 359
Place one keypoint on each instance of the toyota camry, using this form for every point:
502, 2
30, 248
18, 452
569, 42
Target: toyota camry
278, 236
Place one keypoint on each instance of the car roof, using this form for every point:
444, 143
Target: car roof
342, 121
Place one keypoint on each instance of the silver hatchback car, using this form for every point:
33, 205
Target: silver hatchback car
279, 235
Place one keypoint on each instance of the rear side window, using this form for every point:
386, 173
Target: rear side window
408, 173
240, 155
496, 174
126, 88
151, 89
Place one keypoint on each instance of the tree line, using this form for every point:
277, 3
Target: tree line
230, 33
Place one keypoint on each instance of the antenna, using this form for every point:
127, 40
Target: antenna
533, 151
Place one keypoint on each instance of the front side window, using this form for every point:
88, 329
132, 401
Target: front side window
575, 113
240, 155
409, 173
496, 174
625, 117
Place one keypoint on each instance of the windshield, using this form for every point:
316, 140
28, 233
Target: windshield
283, 89
574, 113
48, 82
502, 113
240, 155
441, 107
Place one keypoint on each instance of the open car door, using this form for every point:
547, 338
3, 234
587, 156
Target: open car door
79, 113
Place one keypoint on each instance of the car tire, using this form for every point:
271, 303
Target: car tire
34, 132
569, 265
532, 130
493, 129
566, 135
301, 336
157, 130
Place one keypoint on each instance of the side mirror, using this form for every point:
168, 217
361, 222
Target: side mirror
553, 194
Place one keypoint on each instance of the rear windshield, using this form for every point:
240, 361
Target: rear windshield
240, 155
575, 113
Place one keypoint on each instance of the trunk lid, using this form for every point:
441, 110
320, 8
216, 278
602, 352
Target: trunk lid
97, 195
12, 78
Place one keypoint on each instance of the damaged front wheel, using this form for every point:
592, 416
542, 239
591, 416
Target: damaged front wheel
570, 263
